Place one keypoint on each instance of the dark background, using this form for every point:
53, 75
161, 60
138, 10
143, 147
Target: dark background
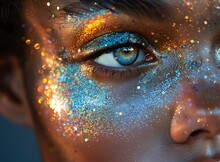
17, 144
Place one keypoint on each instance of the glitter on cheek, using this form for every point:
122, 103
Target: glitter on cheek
165, 87
83, 108
217, 56
74, 99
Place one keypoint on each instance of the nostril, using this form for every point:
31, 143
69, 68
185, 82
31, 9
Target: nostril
198, 134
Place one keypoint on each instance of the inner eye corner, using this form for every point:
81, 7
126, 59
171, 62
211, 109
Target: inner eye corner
150, 51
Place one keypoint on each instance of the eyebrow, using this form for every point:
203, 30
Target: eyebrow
154, 9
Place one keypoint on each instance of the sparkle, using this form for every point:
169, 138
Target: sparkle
28, 41
86, 139
192, 41
37, 46
81, 105
44, 81
205, 22
186, 17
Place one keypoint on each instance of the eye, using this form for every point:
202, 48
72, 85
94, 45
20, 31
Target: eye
125, 56
117, 54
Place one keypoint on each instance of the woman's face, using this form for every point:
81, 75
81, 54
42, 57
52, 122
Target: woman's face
124, 80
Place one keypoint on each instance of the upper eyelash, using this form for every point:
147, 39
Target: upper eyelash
120, 38
112, 41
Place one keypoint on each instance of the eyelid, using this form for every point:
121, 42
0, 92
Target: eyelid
108, 42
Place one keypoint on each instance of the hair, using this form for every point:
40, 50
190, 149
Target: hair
11, 44
11, 31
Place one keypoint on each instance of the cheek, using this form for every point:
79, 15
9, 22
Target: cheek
77, 105
72, 106
78, 112
79, 108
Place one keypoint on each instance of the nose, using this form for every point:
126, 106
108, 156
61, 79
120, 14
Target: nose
197, 112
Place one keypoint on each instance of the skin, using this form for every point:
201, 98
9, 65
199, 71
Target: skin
167, 112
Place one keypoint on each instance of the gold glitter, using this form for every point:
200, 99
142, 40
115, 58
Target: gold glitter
192, 41
199, 120
44, 67
40, 89
43, 54
39, 101
44, 80
37, 46
28, 41
49, 82
94, 25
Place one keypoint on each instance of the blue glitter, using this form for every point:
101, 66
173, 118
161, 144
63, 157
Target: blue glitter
114, 40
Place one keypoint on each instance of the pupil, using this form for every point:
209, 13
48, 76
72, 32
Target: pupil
126, 56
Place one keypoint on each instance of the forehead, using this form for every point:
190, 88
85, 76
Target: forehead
186, 13
197, 8
197, 4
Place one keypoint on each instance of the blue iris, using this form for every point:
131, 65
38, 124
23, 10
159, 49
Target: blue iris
126, 56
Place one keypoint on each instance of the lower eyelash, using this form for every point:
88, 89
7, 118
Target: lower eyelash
108, 73
115, 73
99, 72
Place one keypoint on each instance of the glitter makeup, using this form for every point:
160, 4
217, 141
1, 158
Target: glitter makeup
86, 98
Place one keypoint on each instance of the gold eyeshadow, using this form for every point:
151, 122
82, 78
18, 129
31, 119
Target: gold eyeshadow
78, 31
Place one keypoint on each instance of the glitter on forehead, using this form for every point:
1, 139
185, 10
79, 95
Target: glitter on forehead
91, 26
